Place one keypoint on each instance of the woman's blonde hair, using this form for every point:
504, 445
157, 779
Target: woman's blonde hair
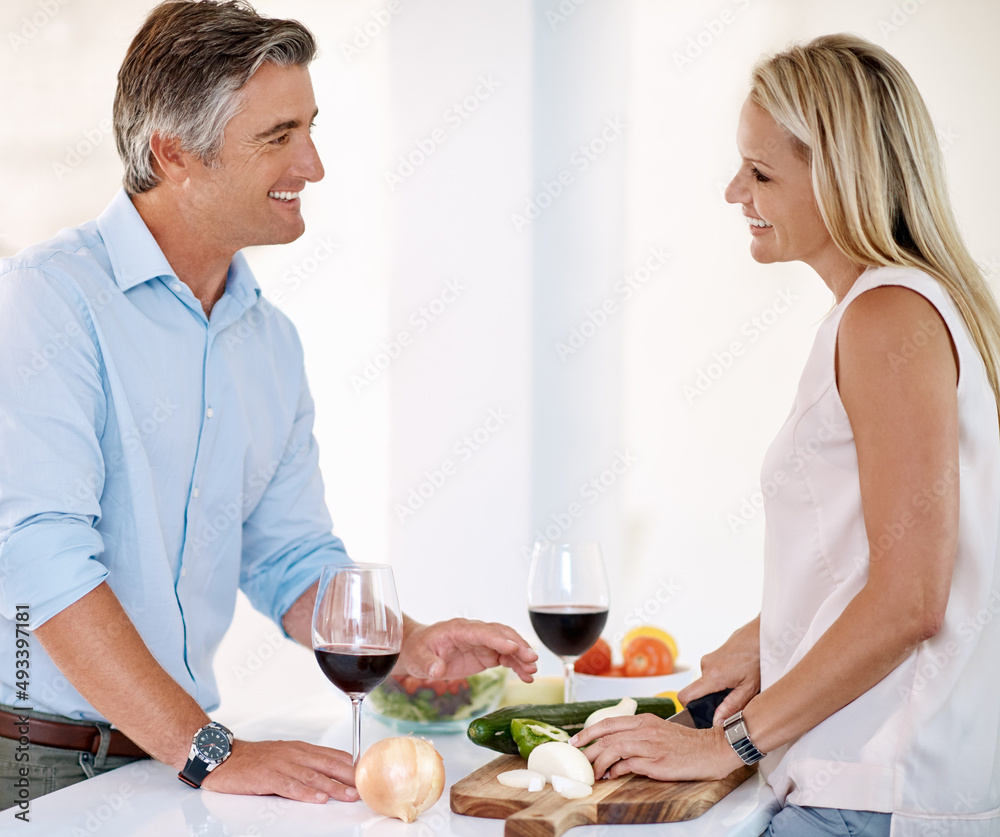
876, 168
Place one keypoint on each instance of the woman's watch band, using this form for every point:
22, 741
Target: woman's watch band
739, 739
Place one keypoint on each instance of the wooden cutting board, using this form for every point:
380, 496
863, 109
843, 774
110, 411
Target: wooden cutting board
627, 799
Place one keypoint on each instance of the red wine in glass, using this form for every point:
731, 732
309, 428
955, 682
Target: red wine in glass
353, 670
568, 630
567, 600
357, 632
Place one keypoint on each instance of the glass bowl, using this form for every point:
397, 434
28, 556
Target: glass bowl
408, 704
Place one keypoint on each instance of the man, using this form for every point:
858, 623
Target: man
151, 462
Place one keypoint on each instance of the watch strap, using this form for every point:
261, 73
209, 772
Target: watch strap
735, 729
194, 772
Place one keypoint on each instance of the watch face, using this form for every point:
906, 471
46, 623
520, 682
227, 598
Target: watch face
212, 744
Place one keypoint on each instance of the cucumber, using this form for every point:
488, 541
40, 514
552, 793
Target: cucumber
493, 731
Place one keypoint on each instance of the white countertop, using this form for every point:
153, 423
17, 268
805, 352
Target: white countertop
146, 799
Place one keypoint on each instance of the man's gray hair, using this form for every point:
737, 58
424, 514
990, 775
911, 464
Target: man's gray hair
183, 74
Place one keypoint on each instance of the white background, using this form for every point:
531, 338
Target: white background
652, 90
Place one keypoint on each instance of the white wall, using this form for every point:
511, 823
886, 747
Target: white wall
700, 455
674, 74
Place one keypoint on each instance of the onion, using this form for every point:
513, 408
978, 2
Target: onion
556, 758
624, 708
400, 777
570, 788
529, 780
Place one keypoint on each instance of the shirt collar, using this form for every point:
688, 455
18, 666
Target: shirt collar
136, 257
134, 254
241, 283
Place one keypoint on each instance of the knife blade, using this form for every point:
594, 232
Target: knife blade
698, 714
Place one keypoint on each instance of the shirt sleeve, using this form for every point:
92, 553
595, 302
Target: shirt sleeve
52, 413
288, 538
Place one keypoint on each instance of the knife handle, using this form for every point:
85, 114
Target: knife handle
702, 709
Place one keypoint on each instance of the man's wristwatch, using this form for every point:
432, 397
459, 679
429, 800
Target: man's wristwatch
212, 745
739, 739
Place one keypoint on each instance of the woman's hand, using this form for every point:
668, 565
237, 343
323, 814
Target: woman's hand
735, 665
649, 746
460, 647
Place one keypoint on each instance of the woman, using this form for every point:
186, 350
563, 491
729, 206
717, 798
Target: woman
881, 548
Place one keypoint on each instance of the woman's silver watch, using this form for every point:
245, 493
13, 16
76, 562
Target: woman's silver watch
739, 739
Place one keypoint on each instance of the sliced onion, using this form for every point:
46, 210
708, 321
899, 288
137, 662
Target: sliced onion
555, 758
400, 777
570, 788
625, 707
530, 780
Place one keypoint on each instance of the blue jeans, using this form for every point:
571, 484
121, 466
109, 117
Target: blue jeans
793, 821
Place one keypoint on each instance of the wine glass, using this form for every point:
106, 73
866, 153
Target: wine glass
357, 631
567, 600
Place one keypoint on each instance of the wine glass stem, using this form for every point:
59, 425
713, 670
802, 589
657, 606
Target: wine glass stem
567, 681
356, 727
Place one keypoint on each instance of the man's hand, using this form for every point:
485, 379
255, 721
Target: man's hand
99, 651
292, 769
735, 665
460, 647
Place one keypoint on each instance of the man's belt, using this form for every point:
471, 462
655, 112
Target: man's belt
81, 737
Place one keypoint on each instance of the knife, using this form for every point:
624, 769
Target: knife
699, 712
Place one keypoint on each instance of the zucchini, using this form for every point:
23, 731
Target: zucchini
493, 731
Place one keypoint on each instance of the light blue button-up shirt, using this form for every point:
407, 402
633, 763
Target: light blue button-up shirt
148, 446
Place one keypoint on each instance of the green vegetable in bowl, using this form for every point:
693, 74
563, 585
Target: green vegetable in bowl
406, 698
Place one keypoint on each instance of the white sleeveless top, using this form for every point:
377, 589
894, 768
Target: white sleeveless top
924, 743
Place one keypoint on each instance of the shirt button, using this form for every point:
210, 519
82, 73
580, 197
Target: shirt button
195, 492
176, 286
209, 412
184, 571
